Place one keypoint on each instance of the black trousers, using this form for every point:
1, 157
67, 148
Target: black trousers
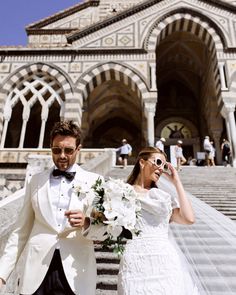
55, 282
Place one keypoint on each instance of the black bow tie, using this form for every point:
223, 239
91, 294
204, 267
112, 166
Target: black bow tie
68, 175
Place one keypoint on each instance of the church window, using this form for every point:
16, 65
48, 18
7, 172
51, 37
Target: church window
31, 109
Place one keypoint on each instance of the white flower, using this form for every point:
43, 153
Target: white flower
118, 202
82, 187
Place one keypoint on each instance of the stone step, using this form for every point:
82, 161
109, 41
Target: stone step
214, 186
212, 191
107, 268
102, 292
107, 282
225, 208
220, 203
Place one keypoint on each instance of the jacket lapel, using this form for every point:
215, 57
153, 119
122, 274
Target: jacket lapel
44, 199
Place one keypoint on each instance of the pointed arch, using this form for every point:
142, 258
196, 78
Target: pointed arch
186, 21
108, 71
32, 84
28, 70
192, 22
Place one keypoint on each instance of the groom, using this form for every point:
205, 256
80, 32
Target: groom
53, 227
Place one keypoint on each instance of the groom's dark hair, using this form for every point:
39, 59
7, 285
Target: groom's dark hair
66, 128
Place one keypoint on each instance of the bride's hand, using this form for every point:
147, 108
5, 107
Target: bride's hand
172, 173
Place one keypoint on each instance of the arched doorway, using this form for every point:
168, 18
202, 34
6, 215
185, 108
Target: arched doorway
112, 112
187, 80
112, 108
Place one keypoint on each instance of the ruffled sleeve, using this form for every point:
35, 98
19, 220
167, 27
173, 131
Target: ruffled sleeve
167, 196
174, 202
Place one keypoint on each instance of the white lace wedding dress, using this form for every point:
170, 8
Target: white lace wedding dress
150, 264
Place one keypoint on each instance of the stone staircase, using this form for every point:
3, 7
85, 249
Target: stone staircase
216, 242
216, 186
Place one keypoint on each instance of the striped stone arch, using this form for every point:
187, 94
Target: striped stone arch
187, 23
197, 25
28, 70
112, 71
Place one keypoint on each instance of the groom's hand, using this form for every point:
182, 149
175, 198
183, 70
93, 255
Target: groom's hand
76, 218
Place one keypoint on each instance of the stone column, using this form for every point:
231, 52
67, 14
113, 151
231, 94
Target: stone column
72, 109
6, 118
153, 76
22, 135
4, 133
150, 109
44, 117
216, 135
228, 110
42, 131
222, 76
25, 116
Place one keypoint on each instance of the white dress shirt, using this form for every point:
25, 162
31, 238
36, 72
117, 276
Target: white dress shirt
60, 198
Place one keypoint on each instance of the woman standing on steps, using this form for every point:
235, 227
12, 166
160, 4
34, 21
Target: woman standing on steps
150, 264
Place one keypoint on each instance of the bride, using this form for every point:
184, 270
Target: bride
150, 263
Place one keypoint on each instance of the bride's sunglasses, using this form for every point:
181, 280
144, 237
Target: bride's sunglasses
159, 163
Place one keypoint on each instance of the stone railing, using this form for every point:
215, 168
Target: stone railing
101, 164
101, 161
12, 156
13, 165
10, 206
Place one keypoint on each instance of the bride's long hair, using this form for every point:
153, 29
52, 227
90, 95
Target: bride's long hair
144, 154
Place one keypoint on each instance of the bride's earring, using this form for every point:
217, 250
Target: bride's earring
142, 175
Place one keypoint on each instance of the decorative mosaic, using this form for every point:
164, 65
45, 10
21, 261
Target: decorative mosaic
5, 68
75, 67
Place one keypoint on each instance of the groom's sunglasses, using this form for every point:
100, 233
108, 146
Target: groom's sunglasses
58, 150
158, 162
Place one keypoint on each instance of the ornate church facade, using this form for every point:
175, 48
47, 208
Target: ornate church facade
133, 69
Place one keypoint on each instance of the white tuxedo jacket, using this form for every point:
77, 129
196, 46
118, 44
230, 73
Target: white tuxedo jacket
37, 232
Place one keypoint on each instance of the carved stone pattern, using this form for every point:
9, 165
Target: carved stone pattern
75, 67
77, 20
159, 9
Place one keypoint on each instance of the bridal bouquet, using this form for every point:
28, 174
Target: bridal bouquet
116, 205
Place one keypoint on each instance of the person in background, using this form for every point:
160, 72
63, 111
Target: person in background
180, 159
150, 263
226, 152
212, 154
53, 227
160, 144
125, 151
207, 149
